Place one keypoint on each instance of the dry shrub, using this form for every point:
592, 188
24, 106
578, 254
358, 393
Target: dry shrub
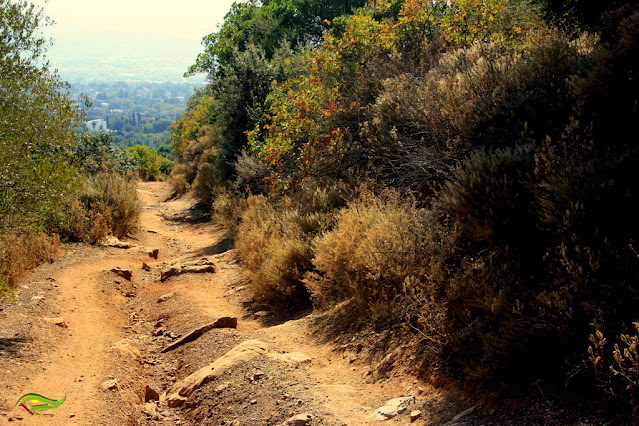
618, 370
227, 210
275, 253
251, 174
178, 178
106, 205
275, 242
207, 183
546, 249
483, 95
492, 195
383, 252
21, 252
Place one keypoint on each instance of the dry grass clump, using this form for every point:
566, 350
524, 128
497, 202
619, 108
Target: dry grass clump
274, 241
274, 252
21, 252
107, 205
383, 252
227, 210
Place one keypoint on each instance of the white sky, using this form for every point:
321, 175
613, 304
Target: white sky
135, 28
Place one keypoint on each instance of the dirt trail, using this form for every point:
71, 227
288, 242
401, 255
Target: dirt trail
115, 331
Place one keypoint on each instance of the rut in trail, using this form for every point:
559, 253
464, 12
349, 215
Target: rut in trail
119, 347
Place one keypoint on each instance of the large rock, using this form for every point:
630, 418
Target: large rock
124, 273
223, 322
393, 408
151, 394
110, 384
166, 297
299, 420
178, 394
128, 348
291, 357
112, 241
59, 321
199, 267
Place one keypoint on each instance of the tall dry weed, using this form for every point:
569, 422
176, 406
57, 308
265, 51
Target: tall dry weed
107, 205
22, 251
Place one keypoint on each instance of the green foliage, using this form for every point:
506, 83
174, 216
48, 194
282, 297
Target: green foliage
314, 117
242, 59
95, 153
37, 121
149, 164
41, 156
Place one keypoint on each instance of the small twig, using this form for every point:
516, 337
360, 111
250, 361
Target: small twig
424, 335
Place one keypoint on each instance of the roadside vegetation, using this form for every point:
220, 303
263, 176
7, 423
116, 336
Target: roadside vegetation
56, 184
466, 168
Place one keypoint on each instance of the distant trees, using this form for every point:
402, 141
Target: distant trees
148, 163
95, 153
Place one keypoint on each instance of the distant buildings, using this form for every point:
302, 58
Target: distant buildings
95, 125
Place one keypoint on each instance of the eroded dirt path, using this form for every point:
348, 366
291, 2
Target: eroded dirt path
109, 349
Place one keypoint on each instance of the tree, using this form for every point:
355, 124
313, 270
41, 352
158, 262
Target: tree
246, 55
37, 121
95, 153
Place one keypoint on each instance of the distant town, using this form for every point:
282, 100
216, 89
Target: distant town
134, 113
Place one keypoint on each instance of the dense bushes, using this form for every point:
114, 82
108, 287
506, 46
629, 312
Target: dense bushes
43, 161
502, 152
274, 243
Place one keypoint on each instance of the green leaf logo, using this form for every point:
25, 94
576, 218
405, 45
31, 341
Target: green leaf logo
32, 402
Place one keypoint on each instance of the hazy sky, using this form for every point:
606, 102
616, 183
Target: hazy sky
130, 28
